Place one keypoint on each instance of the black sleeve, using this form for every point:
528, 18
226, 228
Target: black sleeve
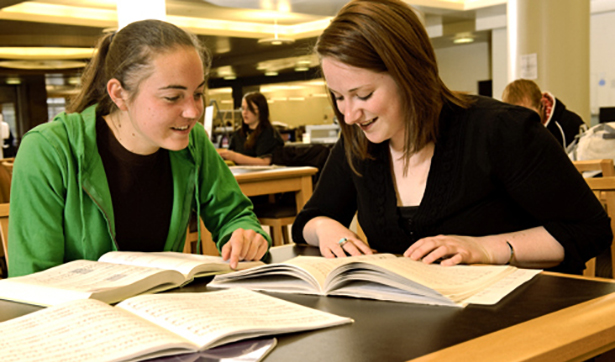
539, 176
335, 195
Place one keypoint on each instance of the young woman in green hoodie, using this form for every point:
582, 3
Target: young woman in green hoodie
128, 163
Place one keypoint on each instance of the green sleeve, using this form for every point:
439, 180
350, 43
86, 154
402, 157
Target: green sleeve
36, 236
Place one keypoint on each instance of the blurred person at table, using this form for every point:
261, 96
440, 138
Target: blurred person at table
436, 175
256, 140
129, 163
563, 124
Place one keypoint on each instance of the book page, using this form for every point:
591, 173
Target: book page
495, 292
214, 318
319, 267
83, 330
187, 264
446, 279
83, 279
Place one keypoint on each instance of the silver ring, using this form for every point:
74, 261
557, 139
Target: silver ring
342, 241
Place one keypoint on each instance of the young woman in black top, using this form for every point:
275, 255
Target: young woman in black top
255, 141
434, 174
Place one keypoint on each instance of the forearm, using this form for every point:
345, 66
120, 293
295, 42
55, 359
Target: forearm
242, 159
533, 248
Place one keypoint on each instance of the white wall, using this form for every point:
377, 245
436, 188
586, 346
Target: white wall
462, 66
602, 61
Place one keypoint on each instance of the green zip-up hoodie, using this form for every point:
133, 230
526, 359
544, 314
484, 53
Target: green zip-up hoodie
61, 207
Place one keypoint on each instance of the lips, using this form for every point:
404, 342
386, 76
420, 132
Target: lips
364, 125
183, 128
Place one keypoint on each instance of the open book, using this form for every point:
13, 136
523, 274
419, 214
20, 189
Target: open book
116, 276
150, 326
382, 277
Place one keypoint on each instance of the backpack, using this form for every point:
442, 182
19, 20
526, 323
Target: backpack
595, 143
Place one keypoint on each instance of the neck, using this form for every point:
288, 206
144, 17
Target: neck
121, 127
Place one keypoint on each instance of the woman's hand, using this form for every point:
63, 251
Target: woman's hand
244, 245
334, 239
226, 154
455, 249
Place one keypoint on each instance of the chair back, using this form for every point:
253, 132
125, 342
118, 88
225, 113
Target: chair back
6, 174
604, 189
4, 236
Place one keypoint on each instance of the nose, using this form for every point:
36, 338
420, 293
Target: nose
193, 108
352, 113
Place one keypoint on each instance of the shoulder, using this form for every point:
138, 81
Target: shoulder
490, 117
65, 130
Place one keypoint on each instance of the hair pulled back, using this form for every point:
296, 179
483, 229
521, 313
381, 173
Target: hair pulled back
128, 56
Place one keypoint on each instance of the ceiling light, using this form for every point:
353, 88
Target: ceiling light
301, 69
27, 53
271, 74
229, 77
463, 38
41, 64
276, 40
13, 81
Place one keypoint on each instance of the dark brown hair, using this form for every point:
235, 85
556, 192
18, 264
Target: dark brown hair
127, 56
524, 91
260, 101
387, 36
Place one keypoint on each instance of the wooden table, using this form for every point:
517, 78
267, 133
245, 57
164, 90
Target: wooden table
552, 318
277, 180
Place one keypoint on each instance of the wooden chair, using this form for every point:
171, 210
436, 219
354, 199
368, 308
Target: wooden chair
6, 174
278, 218
4, 233
192, 237
604, 188
605, 196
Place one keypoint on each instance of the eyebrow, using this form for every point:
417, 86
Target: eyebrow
176, 86
353, 90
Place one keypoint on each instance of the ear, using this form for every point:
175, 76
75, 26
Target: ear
117, 94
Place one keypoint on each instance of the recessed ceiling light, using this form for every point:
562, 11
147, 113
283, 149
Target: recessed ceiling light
301, 69
271, 74
13, 81
276, 40
463, 38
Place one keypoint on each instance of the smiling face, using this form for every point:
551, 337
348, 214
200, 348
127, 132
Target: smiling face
166, 107
368, 100
251, 118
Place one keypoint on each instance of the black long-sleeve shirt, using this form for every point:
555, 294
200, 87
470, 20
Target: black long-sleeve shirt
495, 169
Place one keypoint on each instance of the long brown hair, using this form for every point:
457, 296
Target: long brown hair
127, 56
258, 100
387, 36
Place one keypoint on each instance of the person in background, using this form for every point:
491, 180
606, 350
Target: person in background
436, 175
129, 163
256, 140
561, 122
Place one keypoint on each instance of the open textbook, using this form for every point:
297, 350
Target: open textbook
116, 276
154, 325
382, 277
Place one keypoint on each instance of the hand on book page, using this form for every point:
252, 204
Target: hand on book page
382, 277
150, 326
